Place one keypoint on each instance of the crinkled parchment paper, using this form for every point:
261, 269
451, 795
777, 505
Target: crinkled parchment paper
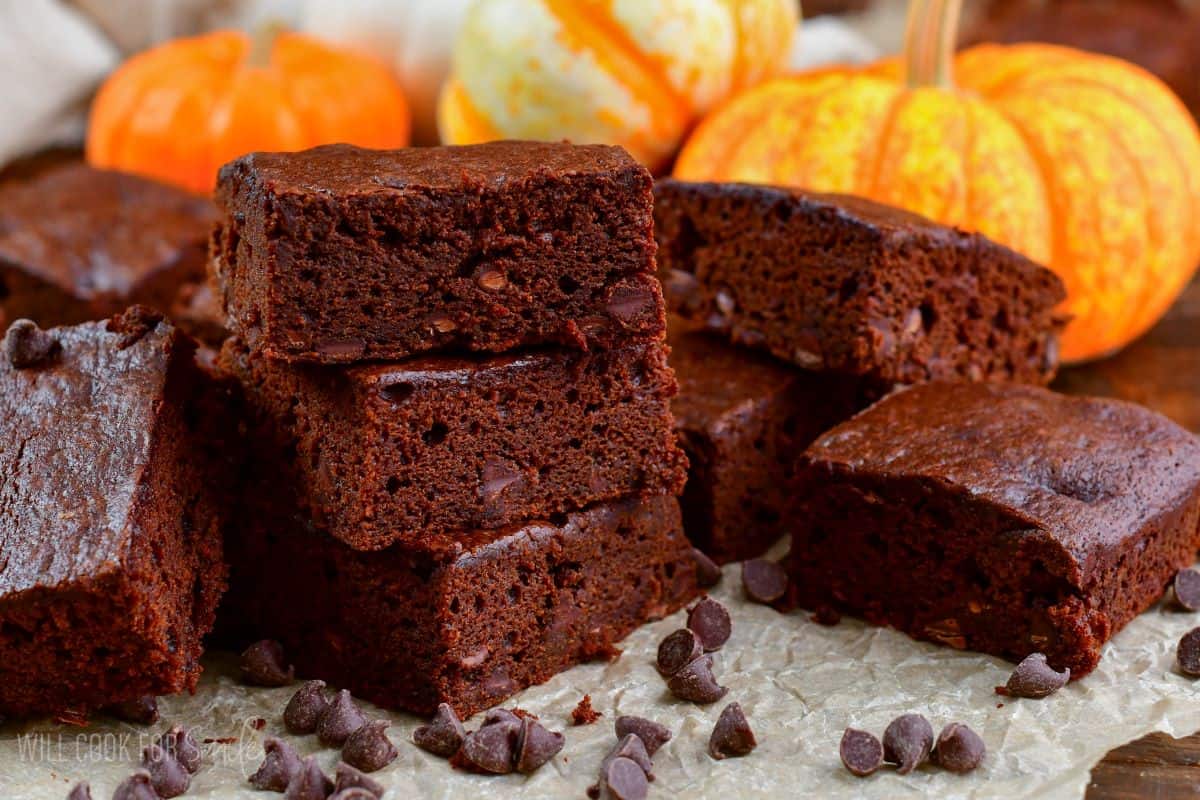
800, 684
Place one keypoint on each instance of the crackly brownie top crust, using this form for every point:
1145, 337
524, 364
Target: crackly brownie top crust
95, 232
342, 169
76, 434
1087, 473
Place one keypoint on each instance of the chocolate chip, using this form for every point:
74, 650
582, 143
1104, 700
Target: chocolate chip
959, 749
631, 746
305, 708
827, 615
354, 793
342, 349
678, 650
309, 782
696, 683
443, 735
731, 736
907, 742
493, 280
136, 787
279, 766
369, 747
26, 345
652, 734
134, 323
622, 779
1187, 654
708, 574
179, 742
861, 752
1186, 589
711, 623
764, 581
263, 664
536, 745
632, 302
140, 710
1034, 678
350, 778
167, 775
340, 719
498, 715
491, 748
81, 792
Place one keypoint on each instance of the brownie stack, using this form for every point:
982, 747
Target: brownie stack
464, 471
797, 310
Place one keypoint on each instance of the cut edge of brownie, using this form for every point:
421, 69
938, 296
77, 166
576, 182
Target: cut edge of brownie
844, 284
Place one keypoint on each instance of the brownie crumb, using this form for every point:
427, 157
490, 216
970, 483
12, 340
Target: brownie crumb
263, 664
221, 740
140, 710
347, 777
443, 736
959, 749
827, 615
1186, 589
710, 621
136, 787
26, 345
907, 742
305, 708
1034, 678
258, 723
677, 650
309, 782
279, 766
584, 714
1187, 654
861, 752
764, 580
167, 775
340, 719
731, 736
696, 683
652, 734
134, 323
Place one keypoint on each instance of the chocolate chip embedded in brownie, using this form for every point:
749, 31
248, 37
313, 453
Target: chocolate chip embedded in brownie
79, 244
742, 417
399, 451
840, 283
466, 619
339, 254
110, 550
1005, 519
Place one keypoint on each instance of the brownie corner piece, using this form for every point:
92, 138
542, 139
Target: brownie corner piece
110, 559
339, 254
1000, 518
840, 283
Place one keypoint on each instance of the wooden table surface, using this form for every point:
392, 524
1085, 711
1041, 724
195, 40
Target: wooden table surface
1162, 371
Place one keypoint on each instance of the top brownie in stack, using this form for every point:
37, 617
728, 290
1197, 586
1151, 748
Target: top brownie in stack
843, 284
340, 254
79, 244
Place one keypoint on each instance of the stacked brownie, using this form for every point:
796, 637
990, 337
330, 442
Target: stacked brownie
797, 310
464, 470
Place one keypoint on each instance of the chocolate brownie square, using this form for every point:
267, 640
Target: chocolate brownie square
840, 283
110, 542
1005, 519
339, 254
466, 619
396, 452
742, 417
79, 244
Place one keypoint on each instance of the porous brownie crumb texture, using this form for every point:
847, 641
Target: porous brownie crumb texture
1007, 520
841, 283
339, 254
110, 558
400, 452
468, 619
742, 418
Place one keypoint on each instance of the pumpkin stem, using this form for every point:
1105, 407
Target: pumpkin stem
262, 42
929, 42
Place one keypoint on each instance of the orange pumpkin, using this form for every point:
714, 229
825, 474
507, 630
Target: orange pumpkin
181, 110
1083, 162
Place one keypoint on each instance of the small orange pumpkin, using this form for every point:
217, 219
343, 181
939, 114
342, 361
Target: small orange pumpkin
1083, 162
181, 110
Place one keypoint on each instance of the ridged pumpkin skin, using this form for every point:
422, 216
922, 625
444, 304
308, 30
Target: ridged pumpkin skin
1082, 162
628, 72
181, 110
